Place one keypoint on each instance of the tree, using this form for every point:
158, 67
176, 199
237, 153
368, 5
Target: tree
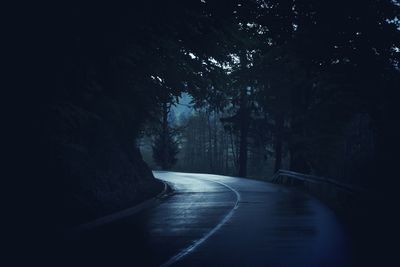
165, 145
165, 150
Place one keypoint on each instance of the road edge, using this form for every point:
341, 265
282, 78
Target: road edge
167, 190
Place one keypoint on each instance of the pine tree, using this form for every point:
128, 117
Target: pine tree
165, 145
165, 150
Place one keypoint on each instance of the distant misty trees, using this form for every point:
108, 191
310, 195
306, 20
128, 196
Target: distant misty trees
205, 145
212, 146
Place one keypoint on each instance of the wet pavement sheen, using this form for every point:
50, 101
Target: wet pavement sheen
213, 220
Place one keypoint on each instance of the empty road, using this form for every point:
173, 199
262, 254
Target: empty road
213, 220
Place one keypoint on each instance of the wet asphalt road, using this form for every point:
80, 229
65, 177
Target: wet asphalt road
213, 220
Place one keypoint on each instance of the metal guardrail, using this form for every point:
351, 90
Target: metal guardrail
315, 179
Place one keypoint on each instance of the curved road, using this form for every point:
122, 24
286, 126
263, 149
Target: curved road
213, 220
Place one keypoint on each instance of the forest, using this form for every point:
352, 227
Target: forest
234, 87
282, 92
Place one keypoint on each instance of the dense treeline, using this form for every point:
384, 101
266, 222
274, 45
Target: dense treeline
207, 145
314, 80
305, 83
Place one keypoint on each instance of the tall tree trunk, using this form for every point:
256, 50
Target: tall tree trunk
164, 135
297, 148
278, 140
211, 159
217, 156
244, 118
233, 147
243, 150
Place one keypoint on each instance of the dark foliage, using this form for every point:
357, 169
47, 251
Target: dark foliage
165, 150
